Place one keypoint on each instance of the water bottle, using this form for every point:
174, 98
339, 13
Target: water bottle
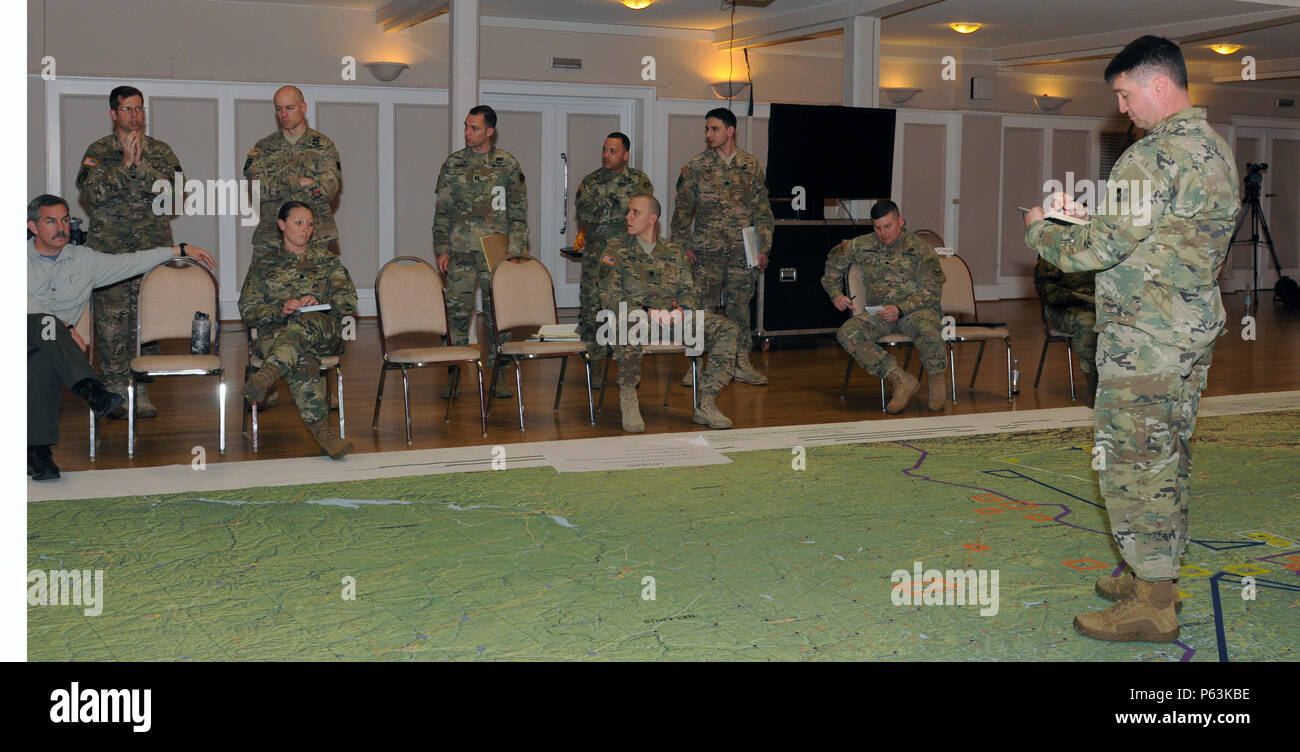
1015, 376
201, 334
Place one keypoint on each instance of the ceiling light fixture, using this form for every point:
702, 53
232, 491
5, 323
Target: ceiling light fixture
637, 4
1225, 49
964, 28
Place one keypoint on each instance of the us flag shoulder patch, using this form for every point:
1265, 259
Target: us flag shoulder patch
607, 259
253, 152
90, 161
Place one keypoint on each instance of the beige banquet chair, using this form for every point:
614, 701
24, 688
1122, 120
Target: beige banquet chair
857, 291
85, 328
409, 300
959, 302
327, 363
170, 294
523, 295
1053, 334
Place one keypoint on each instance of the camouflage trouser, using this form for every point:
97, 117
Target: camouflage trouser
720, 336
295, 349
464, 271
1147, 399
721, 275
1078, 323
858, 336
589, 300
116, 309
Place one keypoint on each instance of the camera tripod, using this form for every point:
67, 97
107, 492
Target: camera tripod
1251, 211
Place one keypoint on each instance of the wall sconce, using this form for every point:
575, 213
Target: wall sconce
728, 89
386, 71
899, 95
1049, 105
1225, 49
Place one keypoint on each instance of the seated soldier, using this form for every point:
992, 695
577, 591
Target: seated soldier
641, 271
1070, 307
900, 272
291, 343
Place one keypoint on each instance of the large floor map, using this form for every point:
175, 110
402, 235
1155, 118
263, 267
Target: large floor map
752, 560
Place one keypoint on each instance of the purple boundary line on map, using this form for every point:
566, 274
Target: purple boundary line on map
1189, 652
924, 454
1296, 572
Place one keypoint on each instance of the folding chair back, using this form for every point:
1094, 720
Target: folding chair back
522, 293
169, 297
409, 297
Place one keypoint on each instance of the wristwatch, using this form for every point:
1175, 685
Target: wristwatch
182, 246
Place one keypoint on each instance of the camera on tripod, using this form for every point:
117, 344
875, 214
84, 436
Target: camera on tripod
76, 235
1254, 175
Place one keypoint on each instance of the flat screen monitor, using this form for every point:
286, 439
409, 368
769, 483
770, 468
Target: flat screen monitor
831, 151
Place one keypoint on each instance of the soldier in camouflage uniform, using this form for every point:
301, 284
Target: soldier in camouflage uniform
116, 182
296, 163
480, 192
643, 272
1070, 307
902, 273
291, 343
1159, 312
601, 205
724, 190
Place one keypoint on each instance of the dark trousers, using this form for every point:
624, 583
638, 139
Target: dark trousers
53, 362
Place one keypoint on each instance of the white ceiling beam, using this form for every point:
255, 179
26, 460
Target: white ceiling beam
396, 15
1111, 42
802, 24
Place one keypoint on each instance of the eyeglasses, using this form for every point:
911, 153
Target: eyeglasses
130, 110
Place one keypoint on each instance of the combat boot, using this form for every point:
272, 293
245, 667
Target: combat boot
1119, 588
746, 372
329, 441
261, 382
1090, 391
905, 386
40, 463
273, 398
627, 401
144, 407
938, 392
1145, 616
101, 401
709, 414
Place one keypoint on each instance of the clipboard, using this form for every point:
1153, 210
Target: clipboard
495, 248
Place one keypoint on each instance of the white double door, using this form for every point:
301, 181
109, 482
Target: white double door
547, 134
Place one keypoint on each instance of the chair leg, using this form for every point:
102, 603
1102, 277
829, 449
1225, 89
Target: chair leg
130, 415
695, 383
92, 435
406, 404
1069, 361
668, 388
979, 357
482, 404
604, 379
253, 410
1009, 394
379, 396
343, 429
559, 385
952, 371
519, 392
591, 407
882, 395
1042, 357
848, 370
492, 387
453, 383
908, 360
221, 399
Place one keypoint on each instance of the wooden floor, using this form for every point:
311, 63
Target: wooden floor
805, 375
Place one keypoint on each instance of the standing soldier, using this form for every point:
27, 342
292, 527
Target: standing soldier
901, 273
724, 189
1159, 312
601, 205
480, 193
116, 180
296, 163
1069, 305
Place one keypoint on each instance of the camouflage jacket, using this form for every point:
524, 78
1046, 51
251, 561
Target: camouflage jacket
628, 274
1055, 286
122, 219
906, 274
723, 199
480, 195
277, 165
277, 277
601, 202
1159, 275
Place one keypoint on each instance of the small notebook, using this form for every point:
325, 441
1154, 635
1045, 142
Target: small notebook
317, 307
550, 332
495, 248
750, 236
1059, 218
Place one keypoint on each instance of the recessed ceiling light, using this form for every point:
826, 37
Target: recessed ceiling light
1225, 49
964, 28
637, 4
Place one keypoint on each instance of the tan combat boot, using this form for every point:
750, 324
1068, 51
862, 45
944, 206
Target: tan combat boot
627, 401
1145, 616
709, 414
905, 386
938, 392
1119, 588
261, 382
746, 372
144, 407
329, 441
273, 398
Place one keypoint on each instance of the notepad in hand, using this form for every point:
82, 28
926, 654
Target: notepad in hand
750, 236
317, 307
